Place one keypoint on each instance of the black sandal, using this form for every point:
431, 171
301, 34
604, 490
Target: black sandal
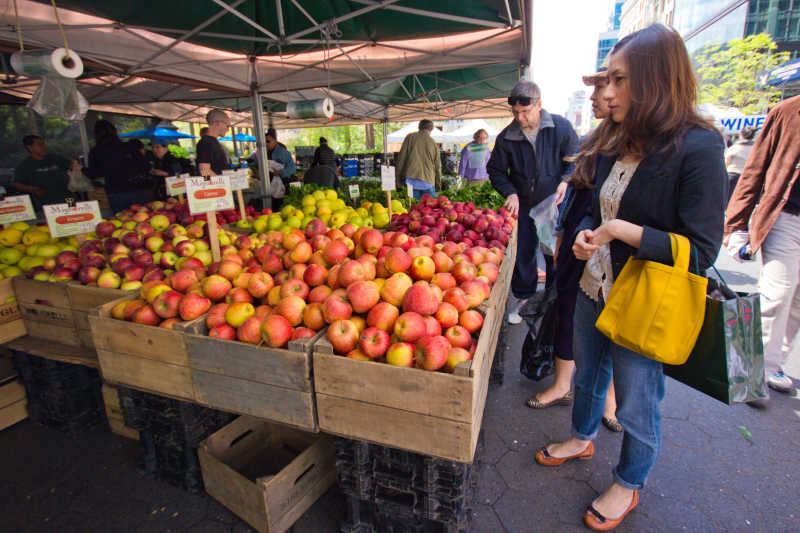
613, 424
535, 403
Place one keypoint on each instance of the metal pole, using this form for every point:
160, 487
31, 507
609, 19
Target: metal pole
261, 146
235, 144
527, 71
385, 141
84, 141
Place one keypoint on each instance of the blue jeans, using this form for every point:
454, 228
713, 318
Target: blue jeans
419, 192
639, 386
525, 278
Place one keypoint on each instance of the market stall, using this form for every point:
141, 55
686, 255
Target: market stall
330, 317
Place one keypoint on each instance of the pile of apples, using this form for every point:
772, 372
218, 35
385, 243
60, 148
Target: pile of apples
138, 245
383, 297
462, 222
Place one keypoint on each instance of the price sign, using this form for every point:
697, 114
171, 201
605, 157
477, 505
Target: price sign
209, 195
239, 180
355, 191
410, 190
387, 178
176, 185
295, 184
64, 220
16, 209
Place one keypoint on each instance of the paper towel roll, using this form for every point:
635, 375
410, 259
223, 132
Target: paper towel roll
47, 62
310, 108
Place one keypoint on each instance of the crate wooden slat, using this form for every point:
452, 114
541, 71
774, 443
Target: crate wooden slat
12, 325
64, 353
431, 413
268, 383
143, 357
237, 462
13, 404
58, 311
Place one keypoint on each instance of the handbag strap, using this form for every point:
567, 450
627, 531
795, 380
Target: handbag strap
680, 252
725, 288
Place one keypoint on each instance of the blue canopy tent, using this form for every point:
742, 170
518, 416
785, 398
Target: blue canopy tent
163, 134
240, 137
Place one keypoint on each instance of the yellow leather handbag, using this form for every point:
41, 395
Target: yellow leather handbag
655, 309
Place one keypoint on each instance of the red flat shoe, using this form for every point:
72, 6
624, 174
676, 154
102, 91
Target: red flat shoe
544, 458
597, 522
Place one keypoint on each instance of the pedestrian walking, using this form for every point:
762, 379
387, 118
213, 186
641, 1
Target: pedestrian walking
659, 170
764, 212
418, 161
568, 271
528, 164
736, 156
473, 159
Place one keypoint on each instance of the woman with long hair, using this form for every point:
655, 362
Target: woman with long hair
658, 169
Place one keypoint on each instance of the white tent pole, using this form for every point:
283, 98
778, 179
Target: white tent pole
385, 136
432, 14
527, 62
261, 146
84, 141
353, 14
279, 9
248, 20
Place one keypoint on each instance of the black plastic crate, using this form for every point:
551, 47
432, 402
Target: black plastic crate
41, 373
130, 403
356, 484
353, 454
179, 467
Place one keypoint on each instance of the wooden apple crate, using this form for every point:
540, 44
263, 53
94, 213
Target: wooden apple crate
143, 357
116, 421
13, 402
267, 474
431, 413
268, 383
59, 311
12, 326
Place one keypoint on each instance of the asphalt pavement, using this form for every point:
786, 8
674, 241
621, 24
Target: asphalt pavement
721, 469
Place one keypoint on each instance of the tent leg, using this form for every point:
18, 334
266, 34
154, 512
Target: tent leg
385, 141
235, 144
261, 150
84, 141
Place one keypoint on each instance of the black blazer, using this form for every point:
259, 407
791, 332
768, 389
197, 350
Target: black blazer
681, 190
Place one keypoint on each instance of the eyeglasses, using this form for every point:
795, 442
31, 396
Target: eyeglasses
521, 100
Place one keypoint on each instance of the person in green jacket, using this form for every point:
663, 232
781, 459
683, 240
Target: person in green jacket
418, 161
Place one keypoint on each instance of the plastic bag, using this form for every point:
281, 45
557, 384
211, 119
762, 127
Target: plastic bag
78, 182
545, 216
59, 97
540, 312
277, 188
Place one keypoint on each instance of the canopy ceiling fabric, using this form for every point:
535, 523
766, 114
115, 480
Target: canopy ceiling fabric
418, 75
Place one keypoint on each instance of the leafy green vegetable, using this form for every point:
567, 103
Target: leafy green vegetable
482, 195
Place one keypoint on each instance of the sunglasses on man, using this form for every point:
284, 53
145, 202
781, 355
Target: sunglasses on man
521, 100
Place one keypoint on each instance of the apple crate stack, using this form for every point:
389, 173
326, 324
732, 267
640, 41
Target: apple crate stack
63, 396
169, 434
396, 490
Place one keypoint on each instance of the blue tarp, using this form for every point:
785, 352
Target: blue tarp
241, 137
158, 133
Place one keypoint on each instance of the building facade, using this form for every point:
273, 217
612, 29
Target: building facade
576, 112
607, 39
638, 14
691, 14
778, 18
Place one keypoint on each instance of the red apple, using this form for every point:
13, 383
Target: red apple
336, 308
471, 320
458, 336
291, 308
397, 260
383, 316
420, 298
222, 331
410, 327
250, 331
431, 352
216, 287
166, 304
319, 294
146, 315
343, 336
456, 356
313, 316
276, 331
374, 342
363, 295
216, 315
400, 354
238, 313
192, 306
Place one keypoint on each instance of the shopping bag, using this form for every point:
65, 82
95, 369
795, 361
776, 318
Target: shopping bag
727, 362
545, 218
655, 309
540, 313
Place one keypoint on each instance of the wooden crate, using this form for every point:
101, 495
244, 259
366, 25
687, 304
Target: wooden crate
268, 383
58, 311
45, 308
431, 413
148, 358
12, 326
13, 403
114, 413
267, 474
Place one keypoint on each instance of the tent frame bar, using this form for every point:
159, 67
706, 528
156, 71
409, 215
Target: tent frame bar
248, 20
337, 20
435, 15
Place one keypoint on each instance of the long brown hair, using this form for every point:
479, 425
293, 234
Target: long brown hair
663, 92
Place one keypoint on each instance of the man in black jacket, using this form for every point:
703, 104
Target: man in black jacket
527, 165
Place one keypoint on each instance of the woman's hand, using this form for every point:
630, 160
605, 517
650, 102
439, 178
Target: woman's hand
584, 248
